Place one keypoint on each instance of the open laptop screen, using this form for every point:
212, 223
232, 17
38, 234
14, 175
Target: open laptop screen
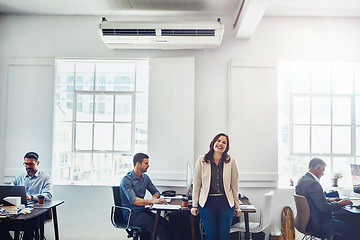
12, 191
355, 175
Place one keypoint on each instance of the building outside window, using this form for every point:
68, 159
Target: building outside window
319, 116
100, 119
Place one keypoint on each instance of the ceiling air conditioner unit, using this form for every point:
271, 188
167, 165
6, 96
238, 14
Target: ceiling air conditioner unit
161, 35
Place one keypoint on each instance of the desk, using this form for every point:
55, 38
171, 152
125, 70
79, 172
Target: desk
52, 204
173, 202
15, 223
246, 212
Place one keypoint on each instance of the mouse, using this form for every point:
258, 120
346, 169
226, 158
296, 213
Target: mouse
358, 206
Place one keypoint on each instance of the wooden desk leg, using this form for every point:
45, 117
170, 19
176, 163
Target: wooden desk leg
247, 231
192, 222
156, 226
56, 229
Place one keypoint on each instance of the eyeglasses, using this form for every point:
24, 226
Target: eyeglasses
28, 164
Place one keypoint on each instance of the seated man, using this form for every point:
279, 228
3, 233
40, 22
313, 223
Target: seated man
132, 191
35, 181
321, 223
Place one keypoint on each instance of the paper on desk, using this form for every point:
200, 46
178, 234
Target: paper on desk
174, 197
247, 207
165, 206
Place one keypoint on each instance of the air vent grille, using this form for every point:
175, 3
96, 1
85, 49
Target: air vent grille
188, 32
128, 32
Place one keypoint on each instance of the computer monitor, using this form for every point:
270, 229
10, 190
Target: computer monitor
189, 178
355, 175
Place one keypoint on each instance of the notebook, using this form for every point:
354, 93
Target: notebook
12, 191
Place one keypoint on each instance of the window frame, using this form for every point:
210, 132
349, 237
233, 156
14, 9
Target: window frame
113, 153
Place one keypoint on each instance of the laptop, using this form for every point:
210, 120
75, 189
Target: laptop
12, 191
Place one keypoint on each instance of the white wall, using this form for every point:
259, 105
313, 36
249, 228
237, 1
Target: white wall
85, 214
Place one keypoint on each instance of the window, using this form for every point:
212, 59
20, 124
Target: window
100, 119
319, 116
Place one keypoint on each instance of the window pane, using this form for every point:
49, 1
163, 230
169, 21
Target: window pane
321, 110
301, 139
342, 140
292, 167
62, 167
300, 78
342, 79
123, 108
104, 107
62, 136
65, 75
321, 78
320, 139
142, 77
357, 79
284, 109
341, 111
122, 137
83, 137
357, 110
82, 168
301, 110
358, 141
141, 137
342, 165
115, 76
84, 76
141, 107
84, 107
64, 106
103, 167
103, 136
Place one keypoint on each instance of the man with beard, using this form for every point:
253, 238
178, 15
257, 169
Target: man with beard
35, 181
132, 191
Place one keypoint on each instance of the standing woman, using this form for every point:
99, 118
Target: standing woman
215, 189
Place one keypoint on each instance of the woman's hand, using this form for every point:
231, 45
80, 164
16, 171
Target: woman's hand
194, 211
237, 212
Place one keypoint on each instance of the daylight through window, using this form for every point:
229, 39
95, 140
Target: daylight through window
100, 119
319, 116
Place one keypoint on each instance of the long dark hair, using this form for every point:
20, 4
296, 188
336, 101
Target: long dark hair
225, 156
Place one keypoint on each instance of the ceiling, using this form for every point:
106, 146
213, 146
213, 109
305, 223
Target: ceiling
246, 20
317, 8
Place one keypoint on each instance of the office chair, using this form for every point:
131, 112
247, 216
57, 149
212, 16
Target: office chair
265, 217
303, 216
118, 220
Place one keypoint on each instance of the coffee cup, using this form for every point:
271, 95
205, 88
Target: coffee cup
41, 199
185, 202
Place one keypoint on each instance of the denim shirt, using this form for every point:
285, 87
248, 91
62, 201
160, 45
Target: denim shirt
38, 184
132, 187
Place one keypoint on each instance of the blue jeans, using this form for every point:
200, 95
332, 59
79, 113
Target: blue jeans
217, 217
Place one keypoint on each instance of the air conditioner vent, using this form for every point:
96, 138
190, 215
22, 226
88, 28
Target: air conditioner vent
188, 32
161, 35
128, 32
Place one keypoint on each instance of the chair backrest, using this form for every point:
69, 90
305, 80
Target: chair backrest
265, 212
118, 216
302, 213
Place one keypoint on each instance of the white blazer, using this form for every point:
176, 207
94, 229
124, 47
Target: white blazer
202, 177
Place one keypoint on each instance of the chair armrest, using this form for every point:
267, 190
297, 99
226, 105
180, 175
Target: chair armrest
113, 215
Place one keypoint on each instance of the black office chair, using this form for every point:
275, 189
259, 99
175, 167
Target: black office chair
118, 220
